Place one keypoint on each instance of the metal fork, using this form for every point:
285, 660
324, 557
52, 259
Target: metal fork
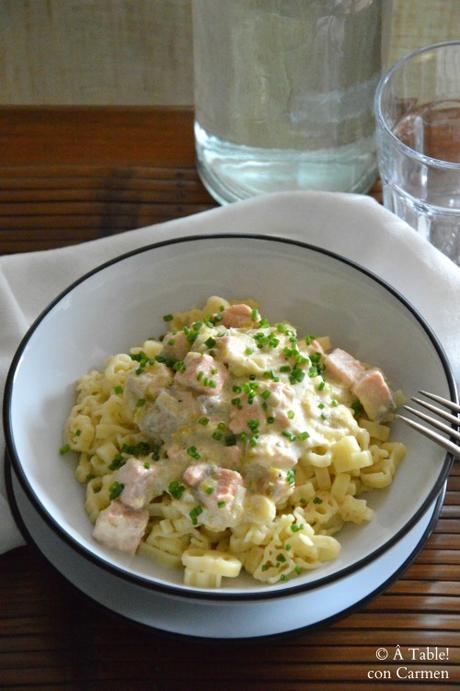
427, 431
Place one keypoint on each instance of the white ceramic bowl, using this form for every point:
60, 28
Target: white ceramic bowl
122, 302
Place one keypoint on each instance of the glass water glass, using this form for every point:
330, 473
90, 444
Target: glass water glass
417, 109
284, 94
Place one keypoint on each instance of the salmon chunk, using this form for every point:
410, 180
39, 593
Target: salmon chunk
120, 527
343, 366
219, 490
148, 384
171, 410
237, 316
202, 373
138, 482
272, 482
244, 413
176, 345
272, 450
374, 394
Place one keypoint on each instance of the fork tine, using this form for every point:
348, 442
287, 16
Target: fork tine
442, 413
435, 423
445, 443
443, 401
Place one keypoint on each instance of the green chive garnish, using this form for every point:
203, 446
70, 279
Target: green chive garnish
175, 489
194, 513
116, 488
194, 453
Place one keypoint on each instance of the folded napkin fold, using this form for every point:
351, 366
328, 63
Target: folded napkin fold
353, 226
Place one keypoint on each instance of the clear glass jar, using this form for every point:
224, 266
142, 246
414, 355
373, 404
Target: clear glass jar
283, 94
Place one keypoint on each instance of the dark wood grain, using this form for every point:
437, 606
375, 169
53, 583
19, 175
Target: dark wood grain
73, 174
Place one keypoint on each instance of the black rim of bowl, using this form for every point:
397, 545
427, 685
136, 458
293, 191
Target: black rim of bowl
175, 635
219, 595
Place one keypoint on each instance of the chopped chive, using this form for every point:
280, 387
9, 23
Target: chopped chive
222, 426
323, 417
321, 405
253, 439
309, 340
269, 374
281, 558
237, 389
291, 414
140, 449
266, 395
90, 476
220, 504
296, 527
265, 567
253, 425
334, 403
357, 407
118, 389
116, 488
147, 465
289, 435
209, 490
297, 375
194, 513
194, 453
270, 420
230, 440
140, 402
284, 577
290, 476
298, 569
317, 500
168, 317
175, 489
203, 421
117, 462
285, 369
179, 366
321, 386
64, 449
287, 547
210, 342
303, 435
248, 351
237, 402
77, 432
217, 436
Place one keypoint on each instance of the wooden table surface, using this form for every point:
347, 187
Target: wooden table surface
68, 175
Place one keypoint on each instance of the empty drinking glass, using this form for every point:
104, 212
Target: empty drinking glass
418, 138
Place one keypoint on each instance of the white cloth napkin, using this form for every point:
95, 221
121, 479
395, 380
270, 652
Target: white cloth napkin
351, 225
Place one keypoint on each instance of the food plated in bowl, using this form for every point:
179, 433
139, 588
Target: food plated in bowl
231, 442
298, 285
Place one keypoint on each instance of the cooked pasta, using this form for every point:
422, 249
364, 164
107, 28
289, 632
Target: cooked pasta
231, 443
